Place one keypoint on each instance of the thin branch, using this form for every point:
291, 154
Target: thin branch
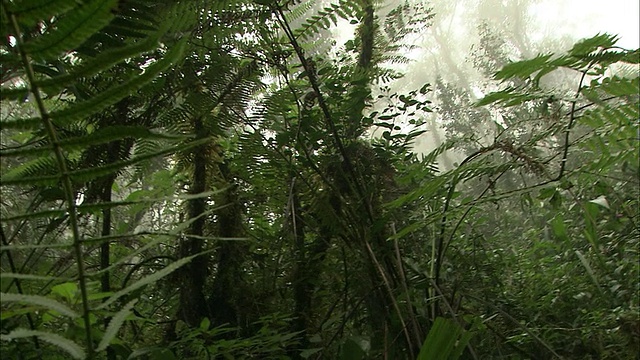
403, 280
391, 297
517, 323
323, 106
445, 208
453, 314
572, 119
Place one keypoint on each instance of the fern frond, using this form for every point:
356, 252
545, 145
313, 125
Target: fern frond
116, 93
523, 69
614, 86
67, 345
619, 115
95, 104
39, 301
30, 169
387, 75
513, 96
100, 136
85, 175
29, 12
344, 9
176, 120
25, 124
147, 280
300, 10
115, 324
102, 62
406, 19
72, 29
593, 44
144, 11
395, 59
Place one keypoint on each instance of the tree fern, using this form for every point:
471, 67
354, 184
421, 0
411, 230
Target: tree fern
81, 30
323, 19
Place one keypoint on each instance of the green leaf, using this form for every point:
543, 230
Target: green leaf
591, 212
445, 341
115, 324
384, 125
204, 324
587, 266
546, 193
559, 229
67, 291
556, 200
6, 314
353, 349
496, 96
39, 301
67, 345
306, 353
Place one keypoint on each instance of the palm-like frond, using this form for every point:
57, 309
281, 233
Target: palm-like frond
96, 42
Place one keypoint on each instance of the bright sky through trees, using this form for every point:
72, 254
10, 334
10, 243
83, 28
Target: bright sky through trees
582, 18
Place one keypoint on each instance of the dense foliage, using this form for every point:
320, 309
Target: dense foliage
221, 180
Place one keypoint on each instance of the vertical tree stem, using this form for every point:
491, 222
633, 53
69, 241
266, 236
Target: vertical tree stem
65, 177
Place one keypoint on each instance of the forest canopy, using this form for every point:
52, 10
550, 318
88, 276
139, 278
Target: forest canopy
230, 180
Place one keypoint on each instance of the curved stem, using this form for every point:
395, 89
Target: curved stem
572, 118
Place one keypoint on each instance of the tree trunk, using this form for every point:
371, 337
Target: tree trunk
229, 292
193, 307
